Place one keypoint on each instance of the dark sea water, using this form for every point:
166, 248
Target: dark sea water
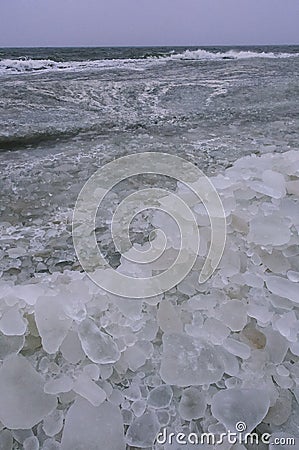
64, 112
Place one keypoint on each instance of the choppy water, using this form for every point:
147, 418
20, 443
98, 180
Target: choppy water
65, 112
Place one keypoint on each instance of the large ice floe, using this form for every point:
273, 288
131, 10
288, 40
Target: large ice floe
82, 369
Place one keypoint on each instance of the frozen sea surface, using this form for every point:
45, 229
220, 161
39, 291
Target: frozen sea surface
83, 369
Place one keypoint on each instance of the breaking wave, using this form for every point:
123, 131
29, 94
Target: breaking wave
25, 65
230, 54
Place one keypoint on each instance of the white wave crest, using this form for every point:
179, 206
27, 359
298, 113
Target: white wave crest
12, 66
201, 54
25, 65
28, 65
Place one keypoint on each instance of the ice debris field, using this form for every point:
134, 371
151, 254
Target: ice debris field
83, 369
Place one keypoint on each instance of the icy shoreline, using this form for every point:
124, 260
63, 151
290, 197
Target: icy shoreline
127, 368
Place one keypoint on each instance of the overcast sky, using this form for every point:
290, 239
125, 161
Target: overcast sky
147, 22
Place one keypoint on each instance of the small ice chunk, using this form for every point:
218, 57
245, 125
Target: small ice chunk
293, 187
163, 417
21, 435
138, 407
132, 393
283, 382
237, 348
230, 263
231, 406
106, 371
195, 329
187, 288
282, 371
287, 325
93, 371
116, 397
239, 222
98, 346
280, 302
253, 280
273, 184
57, 385
160, 397
269, 230
28, 292
12, 322
16, 252
23, 401
276, 262
71, 348
201, 302
281, 411
31, 443
53, 423
291, 250
147, 332
289, 209
193, 404
129, 308
94, 428
6, 440
260, 313
127, 416
230, 362
214, 331
276, 345
143, 431
293, 276
51, 321
294, 347
73, 305
283, 287
222, 182
202, 217
137, 355
51, 444
188, 361
168, 318
88, 389
233, 314
107, 387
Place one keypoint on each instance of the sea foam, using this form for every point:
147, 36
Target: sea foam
25, 65
230, 54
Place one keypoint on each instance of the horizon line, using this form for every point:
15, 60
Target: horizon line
150, 46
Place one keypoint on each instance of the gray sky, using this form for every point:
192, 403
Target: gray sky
148, 22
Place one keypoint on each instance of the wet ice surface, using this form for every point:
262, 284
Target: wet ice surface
23, 400
85, 369
101, 372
